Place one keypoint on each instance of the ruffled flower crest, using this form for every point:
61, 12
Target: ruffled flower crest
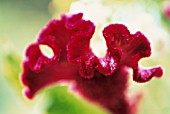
102, 80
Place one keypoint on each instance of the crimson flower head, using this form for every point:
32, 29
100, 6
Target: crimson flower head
100, 80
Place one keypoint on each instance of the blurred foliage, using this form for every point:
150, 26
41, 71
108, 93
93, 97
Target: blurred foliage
20, 21
12, 69
61, 101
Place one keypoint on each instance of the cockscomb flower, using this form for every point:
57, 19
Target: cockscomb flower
101, 80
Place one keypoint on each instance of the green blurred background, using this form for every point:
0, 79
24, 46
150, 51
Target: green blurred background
21, 21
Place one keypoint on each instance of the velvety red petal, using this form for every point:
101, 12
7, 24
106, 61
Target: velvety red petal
79, 51
133, 47
110, 63
57, 32
79, 25
118, 37
139, 47
36, 60
54, 73
74, 20
40, 71
144, 75
79, 48
87, 68
109, 92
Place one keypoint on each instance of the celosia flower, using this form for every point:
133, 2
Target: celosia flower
101, 80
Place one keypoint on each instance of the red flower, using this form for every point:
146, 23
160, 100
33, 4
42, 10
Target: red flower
101, 80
